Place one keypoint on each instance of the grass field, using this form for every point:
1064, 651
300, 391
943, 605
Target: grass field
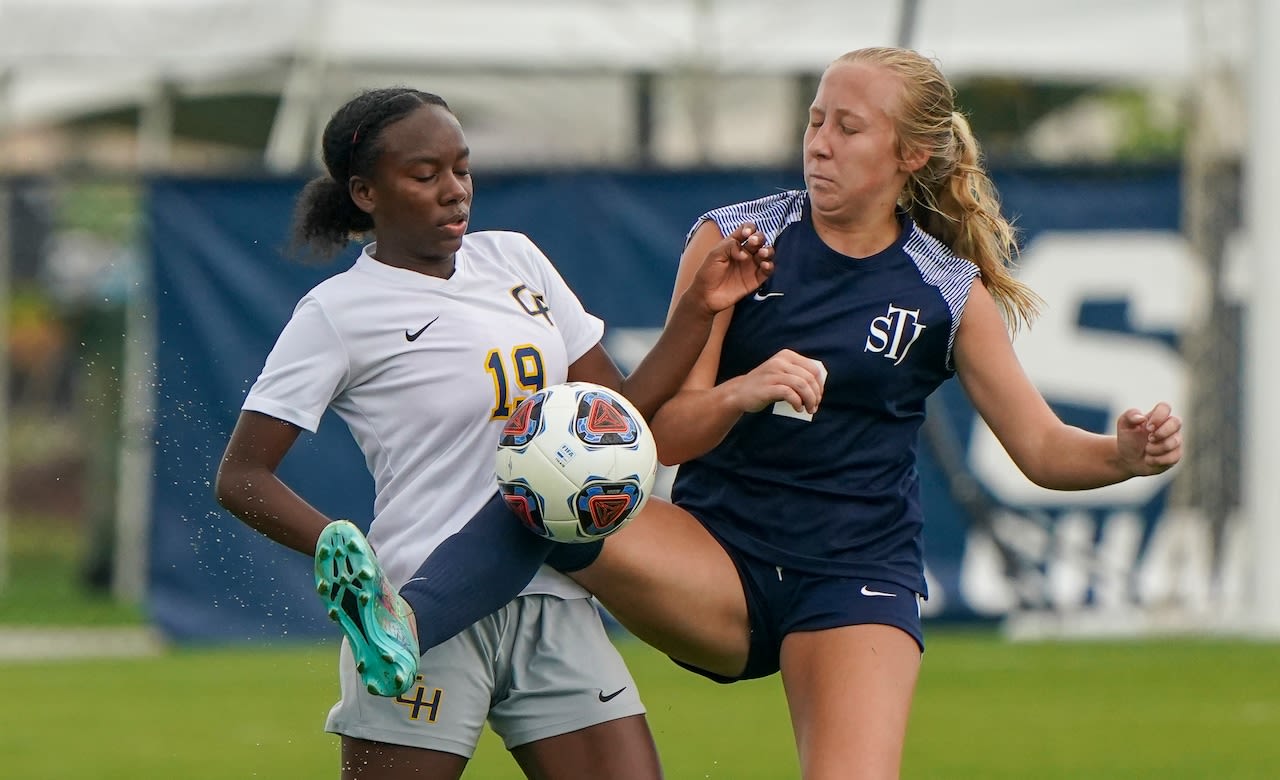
985, 708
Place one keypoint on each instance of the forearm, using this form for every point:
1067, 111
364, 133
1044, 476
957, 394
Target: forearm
264, 503
1074, 459
667, 365
694, 422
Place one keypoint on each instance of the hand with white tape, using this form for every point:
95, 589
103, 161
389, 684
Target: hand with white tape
785, 409
787, 379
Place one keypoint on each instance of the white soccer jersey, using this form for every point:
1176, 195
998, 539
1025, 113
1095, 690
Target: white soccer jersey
425, 371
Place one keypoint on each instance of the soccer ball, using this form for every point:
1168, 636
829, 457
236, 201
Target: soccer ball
576, 462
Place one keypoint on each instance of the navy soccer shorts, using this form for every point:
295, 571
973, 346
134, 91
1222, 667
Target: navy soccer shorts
781, 600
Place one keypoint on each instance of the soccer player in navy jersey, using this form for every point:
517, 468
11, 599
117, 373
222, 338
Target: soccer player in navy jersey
793, 541
423, 347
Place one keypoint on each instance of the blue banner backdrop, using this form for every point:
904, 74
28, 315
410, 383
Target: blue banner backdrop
224, 286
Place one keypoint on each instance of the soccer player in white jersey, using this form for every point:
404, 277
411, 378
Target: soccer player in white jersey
424, 347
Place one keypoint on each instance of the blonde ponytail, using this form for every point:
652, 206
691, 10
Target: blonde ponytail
951, 197
962, 210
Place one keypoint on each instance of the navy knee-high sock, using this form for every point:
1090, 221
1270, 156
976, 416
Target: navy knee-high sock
473, 573
479, 569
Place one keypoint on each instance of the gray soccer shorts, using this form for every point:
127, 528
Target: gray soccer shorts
539, 667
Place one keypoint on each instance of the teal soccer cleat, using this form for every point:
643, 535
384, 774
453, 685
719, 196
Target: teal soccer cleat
372, 615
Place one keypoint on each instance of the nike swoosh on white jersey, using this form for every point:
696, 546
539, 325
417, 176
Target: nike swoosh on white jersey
760, 297
869, 592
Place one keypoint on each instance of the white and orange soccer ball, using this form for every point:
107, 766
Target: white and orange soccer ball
576, 462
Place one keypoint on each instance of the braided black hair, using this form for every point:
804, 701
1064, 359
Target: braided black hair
325, 218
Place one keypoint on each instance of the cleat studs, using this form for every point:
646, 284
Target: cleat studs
360, 667
373, 688
364, 597
399, 681
388, 657
333, 613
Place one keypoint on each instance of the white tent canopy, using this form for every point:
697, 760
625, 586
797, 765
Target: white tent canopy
510, 63
1083, 39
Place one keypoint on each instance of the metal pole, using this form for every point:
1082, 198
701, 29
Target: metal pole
1208, 480
1262, 321
643, 89
290, 142
133, 469
155, 127
908, 12
6, 248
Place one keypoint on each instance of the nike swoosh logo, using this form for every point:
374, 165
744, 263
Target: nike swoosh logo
869, 592
611, 696
414, 336
766, 296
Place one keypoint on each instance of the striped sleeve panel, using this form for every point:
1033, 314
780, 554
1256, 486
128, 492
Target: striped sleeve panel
770, 214
940, 268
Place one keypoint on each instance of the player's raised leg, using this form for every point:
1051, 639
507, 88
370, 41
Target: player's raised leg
669, 582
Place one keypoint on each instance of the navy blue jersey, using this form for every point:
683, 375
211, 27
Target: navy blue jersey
838, 494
